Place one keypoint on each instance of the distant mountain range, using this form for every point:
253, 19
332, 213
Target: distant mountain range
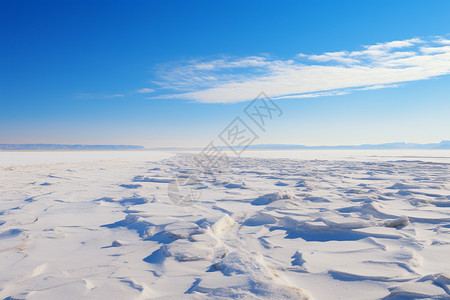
439, 146
12, 147
444, 145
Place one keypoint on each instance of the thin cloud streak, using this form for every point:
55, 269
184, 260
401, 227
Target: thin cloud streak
98, 96
381, 65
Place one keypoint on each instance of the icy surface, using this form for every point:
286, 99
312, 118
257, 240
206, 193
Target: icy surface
104, 227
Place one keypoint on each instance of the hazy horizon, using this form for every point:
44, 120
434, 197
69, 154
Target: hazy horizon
393, 145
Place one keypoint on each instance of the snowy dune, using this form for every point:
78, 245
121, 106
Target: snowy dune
320, 225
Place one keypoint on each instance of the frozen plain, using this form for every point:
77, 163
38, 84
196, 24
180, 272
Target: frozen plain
274, 225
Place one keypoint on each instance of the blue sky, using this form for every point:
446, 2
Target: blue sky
175, 73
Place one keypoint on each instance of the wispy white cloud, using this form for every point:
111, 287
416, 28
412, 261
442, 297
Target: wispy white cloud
382, 65
145, 91
443, 41
340, 56
378, 86
395, 44
432, 50
194, 75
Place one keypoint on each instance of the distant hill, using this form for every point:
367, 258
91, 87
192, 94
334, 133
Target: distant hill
11, 147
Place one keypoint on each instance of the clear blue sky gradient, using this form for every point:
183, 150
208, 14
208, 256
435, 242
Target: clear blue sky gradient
62, 62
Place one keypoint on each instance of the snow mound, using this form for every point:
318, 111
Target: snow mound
259, 280
118, 243
182, 230
184, 250
269, 198
396, 223
223, 224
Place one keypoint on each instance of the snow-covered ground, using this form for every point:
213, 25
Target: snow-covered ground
322, 225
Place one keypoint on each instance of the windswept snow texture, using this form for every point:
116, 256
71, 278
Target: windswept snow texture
262, 229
